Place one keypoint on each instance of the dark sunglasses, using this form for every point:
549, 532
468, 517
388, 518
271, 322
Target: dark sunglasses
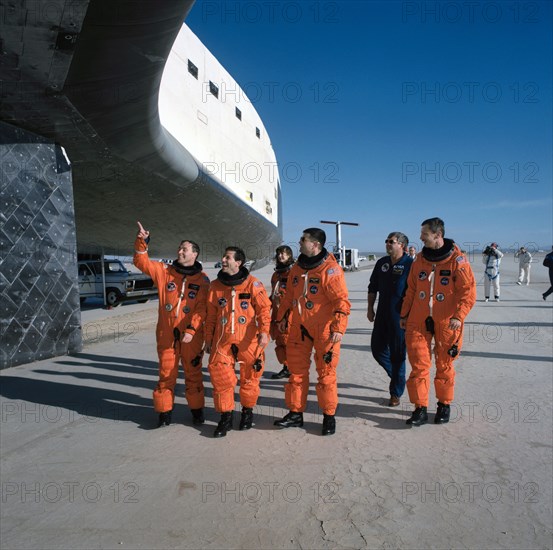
390, 241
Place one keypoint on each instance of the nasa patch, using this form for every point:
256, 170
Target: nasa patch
244, 305
171, 286
423, 275
191, 294
313, 289
222, 302
444, 281
385, 267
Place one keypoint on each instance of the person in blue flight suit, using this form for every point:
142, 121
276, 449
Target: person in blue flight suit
388, 281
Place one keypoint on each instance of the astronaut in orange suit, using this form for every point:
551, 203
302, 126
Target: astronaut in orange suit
236, 331
315, 309
441, 291
182, 289
284, 258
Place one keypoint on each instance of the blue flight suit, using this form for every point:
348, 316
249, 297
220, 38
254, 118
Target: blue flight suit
388, 340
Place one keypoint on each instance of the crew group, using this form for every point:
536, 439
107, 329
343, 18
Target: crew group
232, 319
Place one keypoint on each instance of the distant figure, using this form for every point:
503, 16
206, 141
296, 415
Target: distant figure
440, 293
491, 257
236, 331
548, 262
284, 258
412, 252
388, 281
524, 260
182, 288
316, 309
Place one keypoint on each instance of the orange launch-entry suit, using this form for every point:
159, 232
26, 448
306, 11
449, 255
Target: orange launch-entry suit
279, 282
316, 305
182, 308
238, 309
440, 288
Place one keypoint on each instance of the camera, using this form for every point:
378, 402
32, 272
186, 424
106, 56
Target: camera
453, 351
489, 251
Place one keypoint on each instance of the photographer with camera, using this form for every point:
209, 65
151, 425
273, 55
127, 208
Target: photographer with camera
440, 293
491, 257
524, 260
236, 331
315, 308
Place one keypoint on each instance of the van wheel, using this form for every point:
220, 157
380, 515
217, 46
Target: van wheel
113, 297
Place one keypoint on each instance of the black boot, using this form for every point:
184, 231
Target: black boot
329, 424
291, 420
442, 414
246, 419
164, 419
225, 425
197, 416
419, 417
284, 373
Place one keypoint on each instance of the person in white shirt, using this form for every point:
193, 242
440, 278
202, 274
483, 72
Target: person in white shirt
524, 261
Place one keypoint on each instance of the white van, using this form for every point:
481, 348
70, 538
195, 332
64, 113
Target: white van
121, 284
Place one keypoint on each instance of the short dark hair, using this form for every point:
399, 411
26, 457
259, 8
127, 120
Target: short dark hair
284, 248
195, 246
401, 237
239, 254
316, 234
435, 225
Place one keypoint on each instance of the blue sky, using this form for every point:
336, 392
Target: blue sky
387, 113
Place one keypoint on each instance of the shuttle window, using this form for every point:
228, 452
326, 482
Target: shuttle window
214, 89
238, 113
268, 208
192, 69
257, 132
249, 196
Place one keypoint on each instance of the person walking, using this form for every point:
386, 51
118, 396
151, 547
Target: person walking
315, 309
182, 289
441, 291
236, 331
284, 259
548, 262
388, 281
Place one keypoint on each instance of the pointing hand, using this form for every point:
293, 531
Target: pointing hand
142, 233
